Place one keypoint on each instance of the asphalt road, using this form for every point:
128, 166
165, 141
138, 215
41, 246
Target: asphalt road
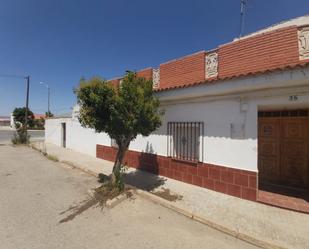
43, 205
6, 134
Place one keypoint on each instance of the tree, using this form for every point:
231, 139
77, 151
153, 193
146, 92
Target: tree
49, 114
19, 114
21, 136
122, 112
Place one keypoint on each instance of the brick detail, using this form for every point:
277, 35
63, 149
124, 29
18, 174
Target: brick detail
186, 70
145, 73
114, 82
263, 52
236, 182
266, 51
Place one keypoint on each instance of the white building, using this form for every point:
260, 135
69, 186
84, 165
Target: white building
236, 118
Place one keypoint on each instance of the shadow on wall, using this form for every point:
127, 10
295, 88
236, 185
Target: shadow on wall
145, 161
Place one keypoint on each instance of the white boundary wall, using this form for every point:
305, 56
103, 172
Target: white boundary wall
77, 137
223, 107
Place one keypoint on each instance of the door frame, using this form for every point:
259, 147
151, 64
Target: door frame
63, 135
297, 113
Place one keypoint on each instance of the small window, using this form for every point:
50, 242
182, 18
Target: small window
185, 140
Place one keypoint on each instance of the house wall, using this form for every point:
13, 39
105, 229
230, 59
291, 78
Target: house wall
217, 117
229, 160
53, 130
84, 140
77, 137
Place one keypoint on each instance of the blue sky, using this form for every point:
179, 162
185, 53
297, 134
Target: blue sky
59, 41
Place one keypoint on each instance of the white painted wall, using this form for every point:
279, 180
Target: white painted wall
53, 130
84, 140
77, 137
219, 148
218, 106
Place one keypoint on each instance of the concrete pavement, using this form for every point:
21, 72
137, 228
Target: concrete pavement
36, 194
269, 226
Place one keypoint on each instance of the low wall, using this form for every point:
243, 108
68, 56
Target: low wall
236, 182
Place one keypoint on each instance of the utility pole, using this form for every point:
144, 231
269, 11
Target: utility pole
48, 96
48, 107
242, 17
27, 105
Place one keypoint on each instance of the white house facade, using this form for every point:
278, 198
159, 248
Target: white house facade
236, 118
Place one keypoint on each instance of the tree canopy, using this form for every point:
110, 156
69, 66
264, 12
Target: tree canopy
19, 114
123, 112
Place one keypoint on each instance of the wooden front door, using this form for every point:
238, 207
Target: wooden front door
283, 148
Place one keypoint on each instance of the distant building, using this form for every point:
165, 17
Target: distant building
5, 121
39, 116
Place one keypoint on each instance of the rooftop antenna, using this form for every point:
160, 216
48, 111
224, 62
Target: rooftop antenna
242, 16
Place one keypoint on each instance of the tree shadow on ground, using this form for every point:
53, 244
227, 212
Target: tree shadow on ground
98, 199
144, 180
145, 177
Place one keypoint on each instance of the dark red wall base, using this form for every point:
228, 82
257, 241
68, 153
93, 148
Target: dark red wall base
236, 182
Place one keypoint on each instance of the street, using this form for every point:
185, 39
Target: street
6, 134
40, 202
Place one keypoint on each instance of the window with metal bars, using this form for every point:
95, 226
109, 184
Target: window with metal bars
185, 140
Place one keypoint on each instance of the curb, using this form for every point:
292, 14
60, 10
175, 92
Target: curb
205, 221
167, 204
69, 163
79, 167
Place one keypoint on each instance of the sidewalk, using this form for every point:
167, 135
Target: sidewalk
267, 226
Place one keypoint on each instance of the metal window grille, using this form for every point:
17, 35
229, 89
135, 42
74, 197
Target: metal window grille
185, 140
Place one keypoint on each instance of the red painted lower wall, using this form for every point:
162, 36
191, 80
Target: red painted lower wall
236, 182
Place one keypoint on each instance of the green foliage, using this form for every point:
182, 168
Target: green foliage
49, 114
19, 116
38, 124
52, 158
123, 112
20, 137
119, 181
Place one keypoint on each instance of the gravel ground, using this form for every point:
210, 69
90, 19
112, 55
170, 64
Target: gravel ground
36, 194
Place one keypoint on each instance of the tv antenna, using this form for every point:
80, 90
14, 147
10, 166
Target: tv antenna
242, 16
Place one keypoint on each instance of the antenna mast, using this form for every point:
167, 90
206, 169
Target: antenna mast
242, 17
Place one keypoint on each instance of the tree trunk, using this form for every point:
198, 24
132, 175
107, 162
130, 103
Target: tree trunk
119, 158
118, 162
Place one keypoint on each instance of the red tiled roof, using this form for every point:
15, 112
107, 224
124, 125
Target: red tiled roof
39, 116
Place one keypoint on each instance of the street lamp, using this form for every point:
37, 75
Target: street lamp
48, 96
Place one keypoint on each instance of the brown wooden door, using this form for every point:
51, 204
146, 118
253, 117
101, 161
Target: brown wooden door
294, 151
283, 150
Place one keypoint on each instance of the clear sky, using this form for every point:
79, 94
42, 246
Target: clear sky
59, 41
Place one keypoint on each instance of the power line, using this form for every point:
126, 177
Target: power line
13, 76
